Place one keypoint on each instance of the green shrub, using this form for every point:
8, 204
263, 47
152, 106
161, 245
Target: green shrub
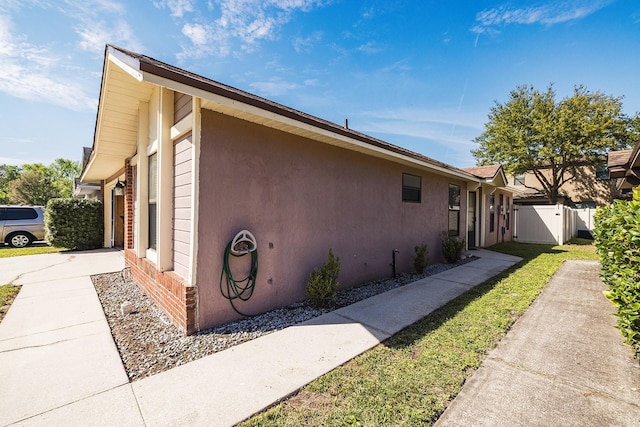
421, 259
452, 247
617, 240
323, 282
74, 223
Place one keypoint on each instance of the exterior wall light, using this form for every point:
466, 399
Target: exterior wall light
119, 188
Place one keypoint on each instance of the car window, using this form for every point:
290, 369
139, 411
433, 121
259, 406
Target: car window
3, 214
21, 213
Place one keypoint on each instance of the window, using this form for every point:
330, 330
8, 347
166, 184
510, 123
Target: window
508, 213
602, 172
411, 188
15, 214
492, 213
454, 210
518, 179
153, 200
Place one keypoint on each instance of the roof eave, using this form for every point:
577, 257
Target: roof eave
144, 69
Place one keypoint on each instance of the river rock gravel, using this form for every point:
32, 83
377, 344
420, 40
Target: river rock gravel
149, 343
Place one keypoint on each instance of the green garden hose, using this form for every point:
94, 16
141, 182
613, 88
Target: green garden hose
238, 289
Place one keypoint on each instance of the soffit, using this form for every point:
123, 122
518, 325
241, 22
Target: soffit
129, 78
116, 134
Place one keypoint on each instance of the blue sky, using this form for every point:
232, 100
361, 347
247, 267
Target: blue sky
421, 74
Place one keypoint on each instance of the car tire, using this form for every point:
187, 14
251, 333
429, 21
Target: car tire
19, 240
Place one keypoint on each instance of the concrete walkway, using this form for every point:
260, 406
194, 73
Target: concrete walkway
563, 364
59, 365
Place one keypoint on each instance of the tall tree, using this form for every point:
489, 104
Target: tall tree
532, 132
8, 173
32, 187
35, 183
63, 172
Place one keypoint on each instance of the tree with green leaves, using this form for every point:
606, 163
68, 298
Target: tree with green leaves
35, 183
32, 187
8, 173
532, 132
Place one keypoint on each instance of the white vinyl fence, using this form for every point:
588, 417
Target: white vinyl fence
550, 224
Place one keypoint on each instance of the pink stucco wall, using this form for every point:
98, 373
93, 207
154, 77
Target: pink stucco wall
491, 238
300, 198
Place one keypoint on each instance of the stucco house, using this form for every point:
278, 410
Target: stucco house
590, 187
624, 166
494, 207
184, 163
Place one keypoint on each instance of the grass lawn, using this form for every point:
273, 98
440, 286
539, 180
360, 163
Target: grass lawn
408, 379
7, 294
7, 251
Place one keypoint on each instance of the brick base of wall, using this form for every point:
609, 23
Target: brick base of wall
166, 289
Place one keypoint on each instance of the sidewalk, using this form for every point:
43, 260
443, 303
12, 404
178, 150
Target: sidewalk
563, 363
59, 366
55, 345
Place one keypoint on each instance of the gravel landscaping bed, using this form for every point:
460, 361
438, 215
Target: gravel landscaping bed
149, 343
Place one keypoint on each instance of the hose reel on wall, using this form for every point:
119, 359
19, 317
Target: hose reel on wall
242, 244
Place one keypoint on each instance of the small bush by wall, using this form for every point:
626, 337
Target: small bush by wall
323, 282
74, 223
421, 259
452, 247
617, 239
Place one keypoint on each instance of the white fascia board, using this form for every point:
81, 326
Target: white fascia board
249, 109
128, 64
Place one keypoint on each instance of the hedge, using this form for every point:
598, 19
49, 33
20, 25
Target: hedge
617, 234
74, 223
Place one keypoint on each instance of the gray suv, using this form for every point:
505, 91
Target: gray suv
21, 225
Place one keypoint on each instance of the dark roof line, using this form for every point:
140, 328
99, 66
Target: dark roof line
164, 70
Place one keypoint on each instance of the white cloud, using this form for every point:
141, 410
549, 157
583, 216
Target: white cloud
443, 126
305, 44
275, 87
369, 48
445, 135
95, 35
177, 7
242, 24
30, 72
196, 33
100, 22
490, 20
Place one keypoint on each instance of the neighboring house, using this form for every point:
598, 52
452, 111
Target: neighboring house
625, 166
494, 208
86, 190
198, 161
590, 187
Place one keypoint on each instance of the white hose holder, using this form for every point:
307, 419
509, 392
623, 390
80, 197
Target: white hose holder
243, 243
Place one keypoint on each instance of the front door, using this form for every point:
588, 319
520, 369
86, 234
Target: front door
471, 220
117, 220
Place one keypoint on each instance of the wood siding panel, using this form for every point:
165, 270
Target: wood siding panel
183, 191
182, 167
181, 106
